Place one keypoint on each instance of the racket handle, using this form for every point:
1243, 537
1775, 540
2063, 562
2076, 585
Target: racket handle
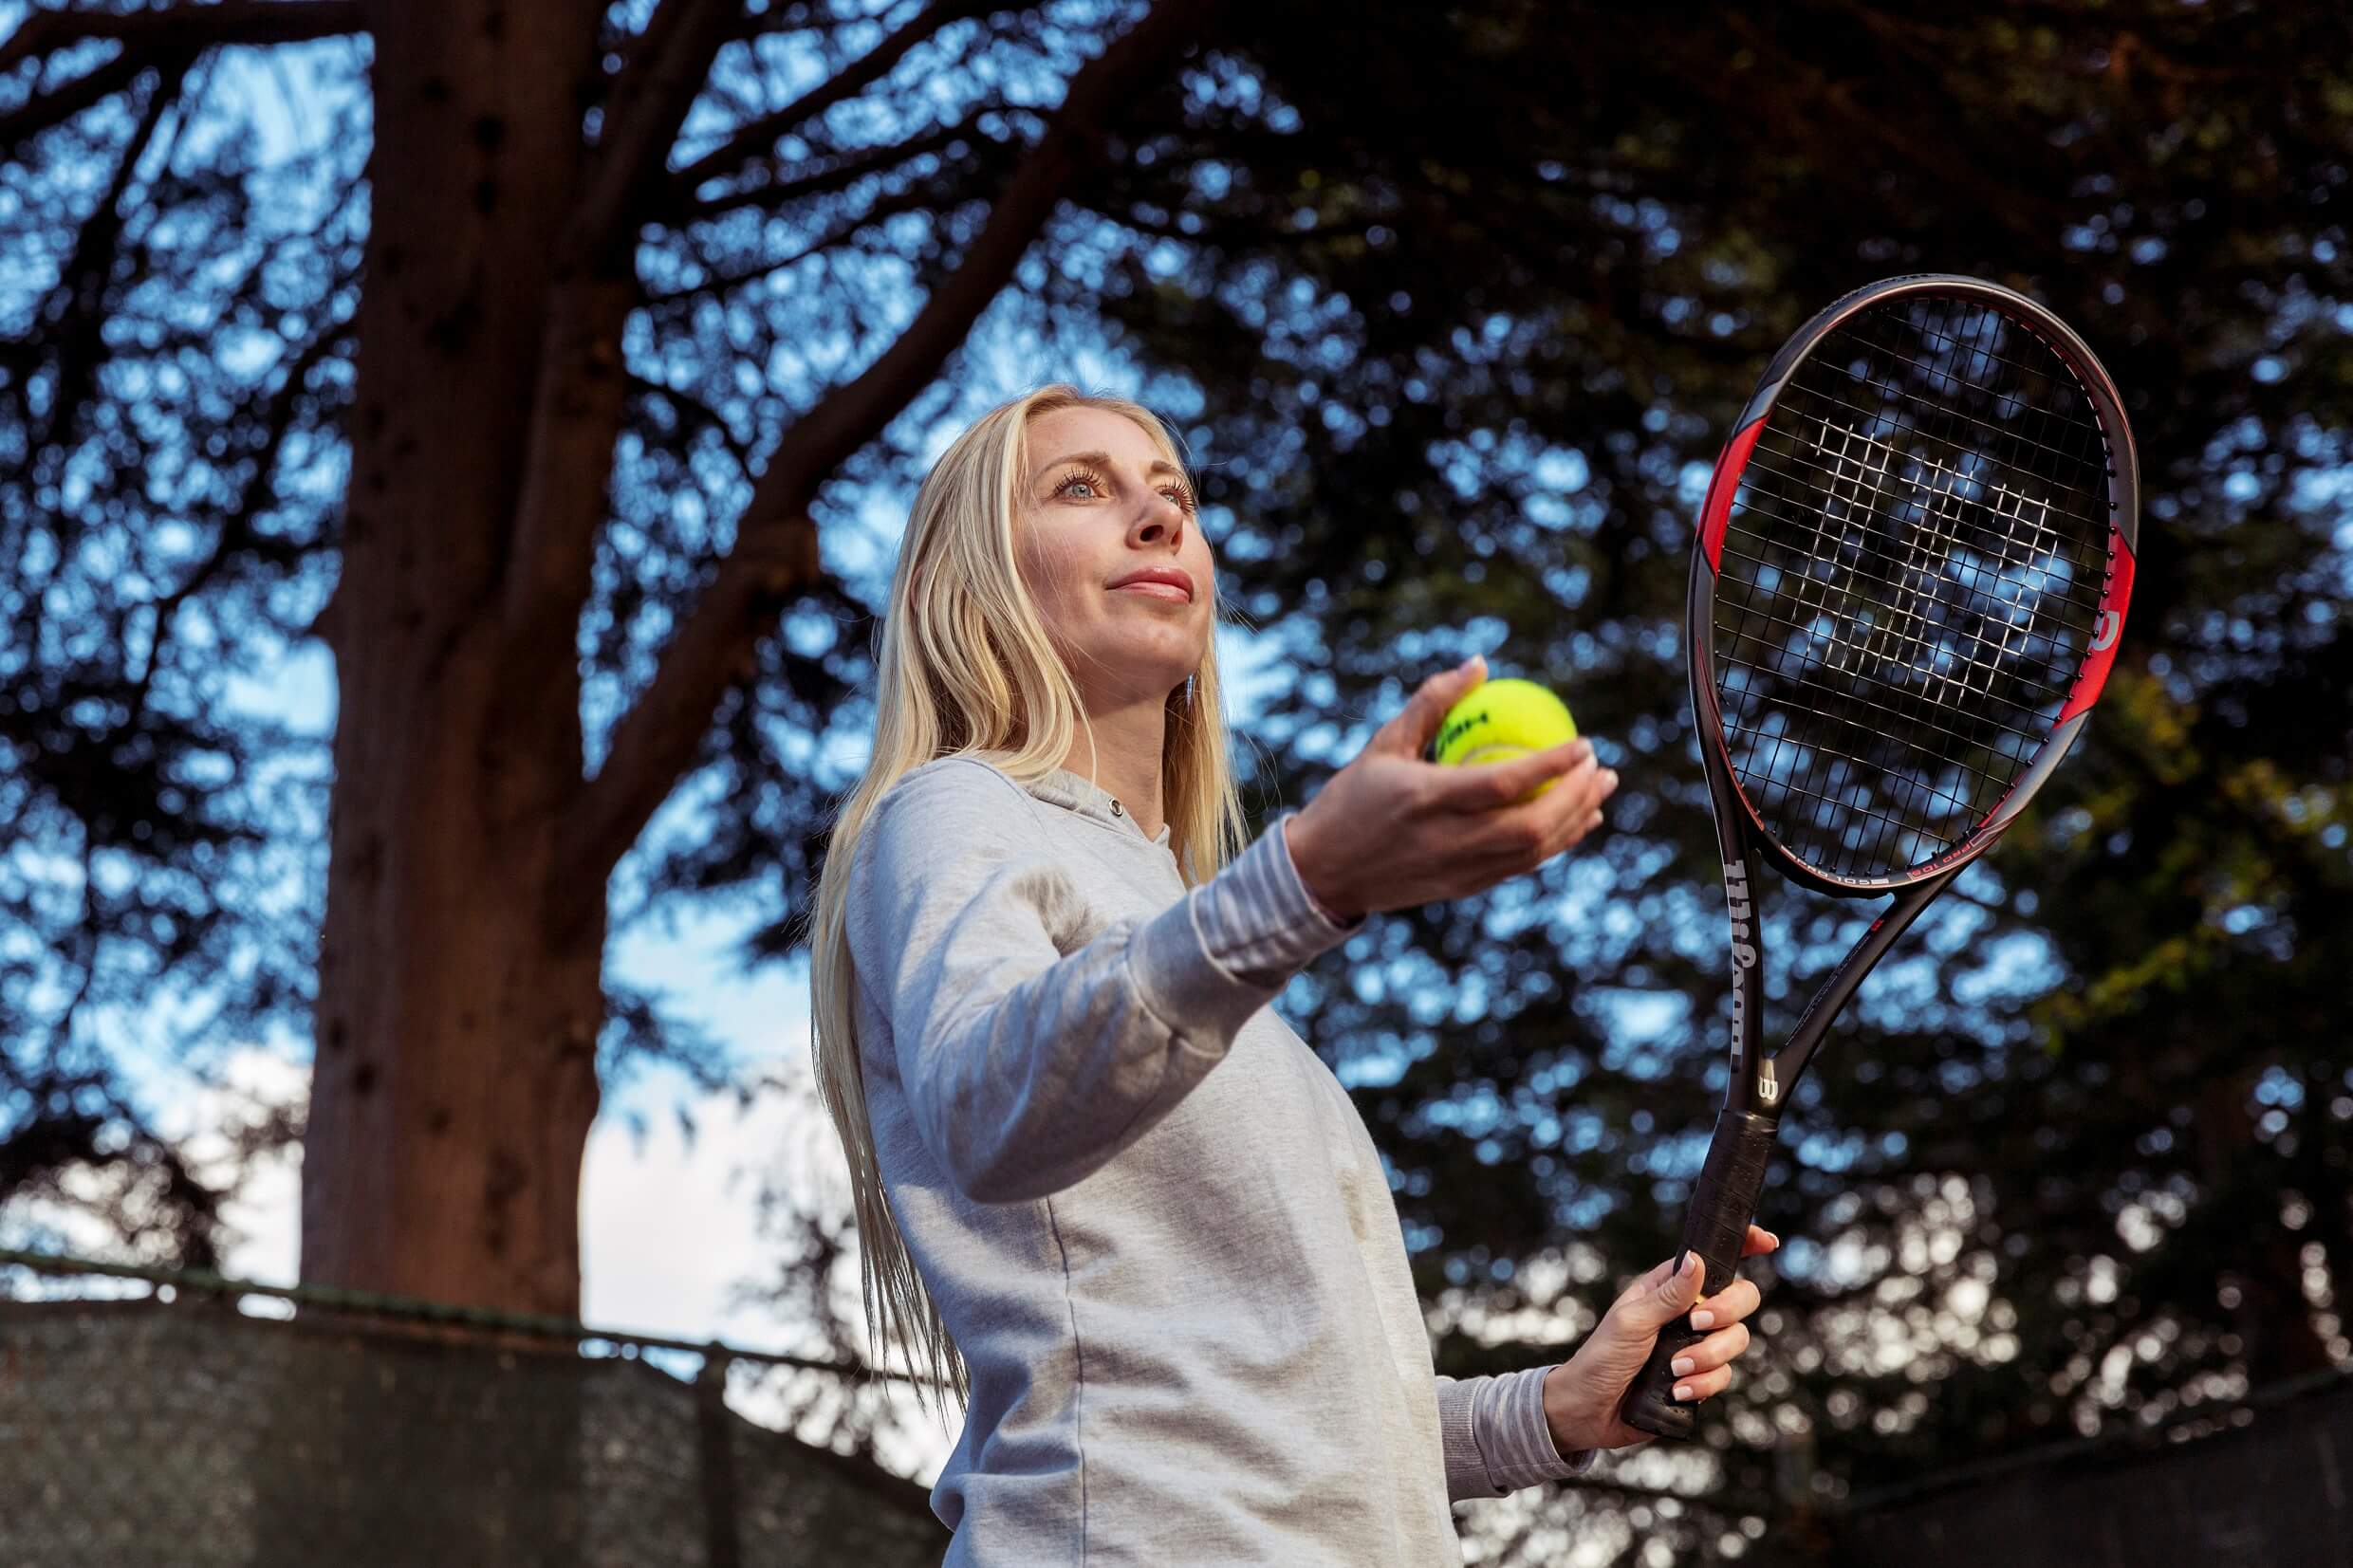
1714, 1227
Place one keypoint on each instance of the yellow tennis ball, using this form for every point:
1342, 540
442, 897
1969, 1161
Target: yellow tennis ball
1500, 720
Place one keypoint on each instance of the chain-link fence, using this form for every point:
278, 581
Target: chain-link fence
175, 1429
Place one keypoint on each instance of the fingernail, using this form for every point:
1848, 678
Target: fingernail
1683, 1366
1703, 1319
1682, 1390
1691, 1260
1609, 778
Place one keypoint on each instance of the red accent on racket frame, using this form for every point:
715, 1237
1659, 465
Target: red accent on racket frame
1717, 511
2107, 631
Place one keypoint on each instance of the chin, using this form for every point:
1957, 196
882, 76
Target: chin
1169, 642
1146, 675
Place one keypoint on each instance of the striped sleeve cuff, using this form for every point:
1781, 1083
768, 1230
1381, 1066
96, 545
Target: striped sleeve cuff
1256, 918
1495, 1437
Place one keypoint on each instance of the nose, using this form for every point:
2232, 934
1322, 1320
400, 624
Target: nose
1161, 521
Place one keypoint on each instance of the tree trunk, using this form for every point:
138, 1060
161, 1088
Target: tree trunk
460, 984
455, 1070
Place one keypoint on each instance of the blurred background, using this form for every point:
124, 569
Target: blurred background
452, 451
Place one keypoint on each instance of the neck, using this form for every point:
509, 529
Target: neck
1125, 757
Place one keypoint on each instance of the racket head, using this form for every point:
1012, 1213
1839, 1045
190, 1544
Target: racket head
1910, 578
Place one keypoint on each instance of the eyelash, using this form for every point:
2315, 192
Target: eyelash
1182, 494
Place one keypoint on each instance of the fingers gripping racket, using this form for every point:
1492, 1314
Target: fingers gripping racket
1911, 573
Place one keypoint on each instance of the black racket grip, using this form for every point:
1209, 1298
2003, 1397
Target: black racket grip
1714, 1227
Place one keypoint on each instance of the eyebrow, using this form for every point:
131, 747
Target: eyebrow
1103, 460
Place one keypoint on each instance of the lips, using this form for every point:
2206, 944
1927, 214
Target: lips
1170, 583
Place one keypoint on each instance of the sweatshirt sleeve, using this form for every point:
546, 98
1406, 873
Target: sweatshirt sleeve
1495, 1437
1031, 1048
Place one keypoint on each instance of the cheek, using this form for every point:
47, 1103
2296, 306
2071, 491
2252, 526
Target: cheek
1052, 571
1204, 568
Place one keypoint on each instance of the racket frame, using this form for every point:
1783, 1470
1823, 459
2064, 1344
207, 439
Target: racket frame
1761, 1084
1731, 1180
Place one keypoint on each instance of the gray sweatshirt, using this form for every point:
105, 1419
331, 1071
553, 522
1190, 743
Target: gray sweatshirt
1151, 1217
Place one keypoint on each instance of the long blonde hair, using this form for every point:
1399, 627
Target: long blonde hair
967, 668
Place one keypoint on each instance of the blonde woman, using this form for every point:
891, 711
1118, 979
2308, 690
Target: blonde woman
1103, 1192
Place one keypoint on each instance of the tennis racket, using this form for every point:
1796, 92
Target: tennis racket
1910, 577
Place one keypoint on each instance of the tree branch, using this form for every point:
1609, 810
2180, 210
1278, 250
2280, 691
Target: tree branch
686, 402
151, 40
238, 534
657, 87
580, 391
183, 26
34, 116
775, 555
834, 178
753, 139
73, 316
915, 198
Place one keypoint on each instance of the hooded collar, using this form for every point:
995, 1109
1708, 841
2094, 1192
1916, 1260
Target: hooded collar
1065, 788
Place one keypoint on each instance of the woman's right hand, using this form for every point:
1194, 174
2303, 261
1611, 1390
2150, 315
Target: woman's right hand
1392, 830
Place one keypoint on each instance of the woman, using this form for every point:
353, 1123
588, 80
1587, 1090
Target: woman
1103, 1192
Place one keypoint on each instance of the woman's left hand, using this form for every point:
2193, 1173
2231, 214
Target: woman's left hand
1581, 1394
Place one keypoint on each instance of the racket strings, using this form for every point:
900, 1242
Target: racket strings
1899, 711
1909, 582
1879, 605
1801, 466
2062, 458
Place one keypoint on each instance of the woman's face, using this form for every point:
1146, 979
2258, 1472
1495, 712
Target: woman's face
1109, 547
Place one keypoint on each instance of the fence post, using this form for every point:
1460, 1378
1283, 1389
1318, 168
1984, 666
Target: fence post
723, 1546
